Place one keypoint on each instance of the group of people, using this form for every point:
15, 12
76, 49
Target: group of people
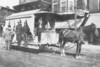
20, 32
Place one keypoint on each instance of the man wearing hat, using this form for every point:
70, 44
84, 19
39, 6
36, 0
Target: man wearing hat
26, 31
19, 33
7, 36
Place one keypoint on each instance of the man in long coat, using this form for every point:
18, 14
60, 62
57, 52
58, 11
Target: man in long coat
1, 29
26, 31
19, 33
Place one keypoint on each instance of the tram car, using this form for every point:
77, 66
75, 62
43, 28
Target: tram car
44, 27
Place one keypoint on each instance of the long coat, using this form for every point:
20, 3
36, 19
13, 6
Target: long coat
19, 32
19, 29
7, 35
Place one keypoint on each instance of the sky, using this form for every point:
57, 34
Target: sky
9, 3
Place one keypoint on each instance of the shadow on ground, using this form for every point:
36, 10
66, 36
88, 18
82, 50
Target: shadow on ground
41, 50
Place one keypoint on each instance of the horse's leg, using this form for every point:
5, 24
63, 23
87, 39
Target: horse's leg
62, 48
78, 49
80, 46
60, 42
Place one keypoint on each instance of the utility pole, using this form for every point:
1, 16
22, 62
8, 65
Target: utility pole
75, 8
52, 6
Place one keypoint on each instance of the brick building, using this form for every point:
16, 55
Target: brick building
28, 1
68, 5
48, 5
51, 5
25, 5
91, 5
63, 5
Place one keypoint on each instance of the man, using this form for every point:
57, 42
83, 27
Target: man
26, 30
19, 33
1, 29
7, 36
40, 30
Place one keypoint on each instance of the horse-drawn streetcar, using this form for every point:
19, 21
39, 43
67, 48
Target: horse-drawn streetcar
45, 27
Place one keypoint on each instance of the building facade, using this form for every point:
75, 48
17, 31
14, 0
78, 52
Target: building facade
51, 5
28, 1
63, 5
25, 5
68, 5
93, 5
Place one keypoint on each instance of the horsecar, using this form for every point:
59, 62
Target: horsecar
51, 24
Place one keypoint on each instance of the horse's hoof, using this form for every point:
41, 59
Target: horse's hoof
80, 56
77, 57
63, 55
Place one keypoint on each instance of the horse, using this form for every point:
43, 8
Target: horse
69, 35
76, 36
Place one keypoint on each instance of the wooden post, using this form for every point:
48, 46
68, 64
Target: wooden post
75, 4
52, 7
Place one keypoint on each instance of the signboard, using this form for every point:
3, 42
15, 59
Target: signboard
80, 12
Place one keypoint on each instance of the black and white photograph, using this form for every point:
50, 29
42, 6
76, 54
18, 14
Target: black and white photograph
49, 33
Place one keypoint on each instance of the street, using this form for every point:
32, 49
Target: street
16, 58
22, 57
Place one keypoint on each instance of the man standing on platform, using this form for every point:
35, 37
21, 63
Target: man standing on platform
26, 30
19, 33
1, 29
39, 30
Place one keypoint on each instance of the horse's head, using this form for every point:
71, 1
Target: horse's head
94, 29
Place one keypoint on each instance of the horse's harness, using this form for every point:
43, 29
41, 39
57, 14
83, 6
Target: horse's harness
79, 34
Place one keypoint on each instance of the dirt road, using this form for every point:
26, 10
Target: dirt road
22, 57
16, 58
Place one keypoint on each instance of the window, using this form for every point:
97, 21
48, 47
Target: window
63, 6
55, 8
71, 6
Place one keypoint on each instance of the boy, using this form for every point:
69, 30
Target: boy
7, 36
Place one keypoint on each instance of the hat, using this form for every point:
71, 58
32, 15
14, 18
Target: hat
19, 21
